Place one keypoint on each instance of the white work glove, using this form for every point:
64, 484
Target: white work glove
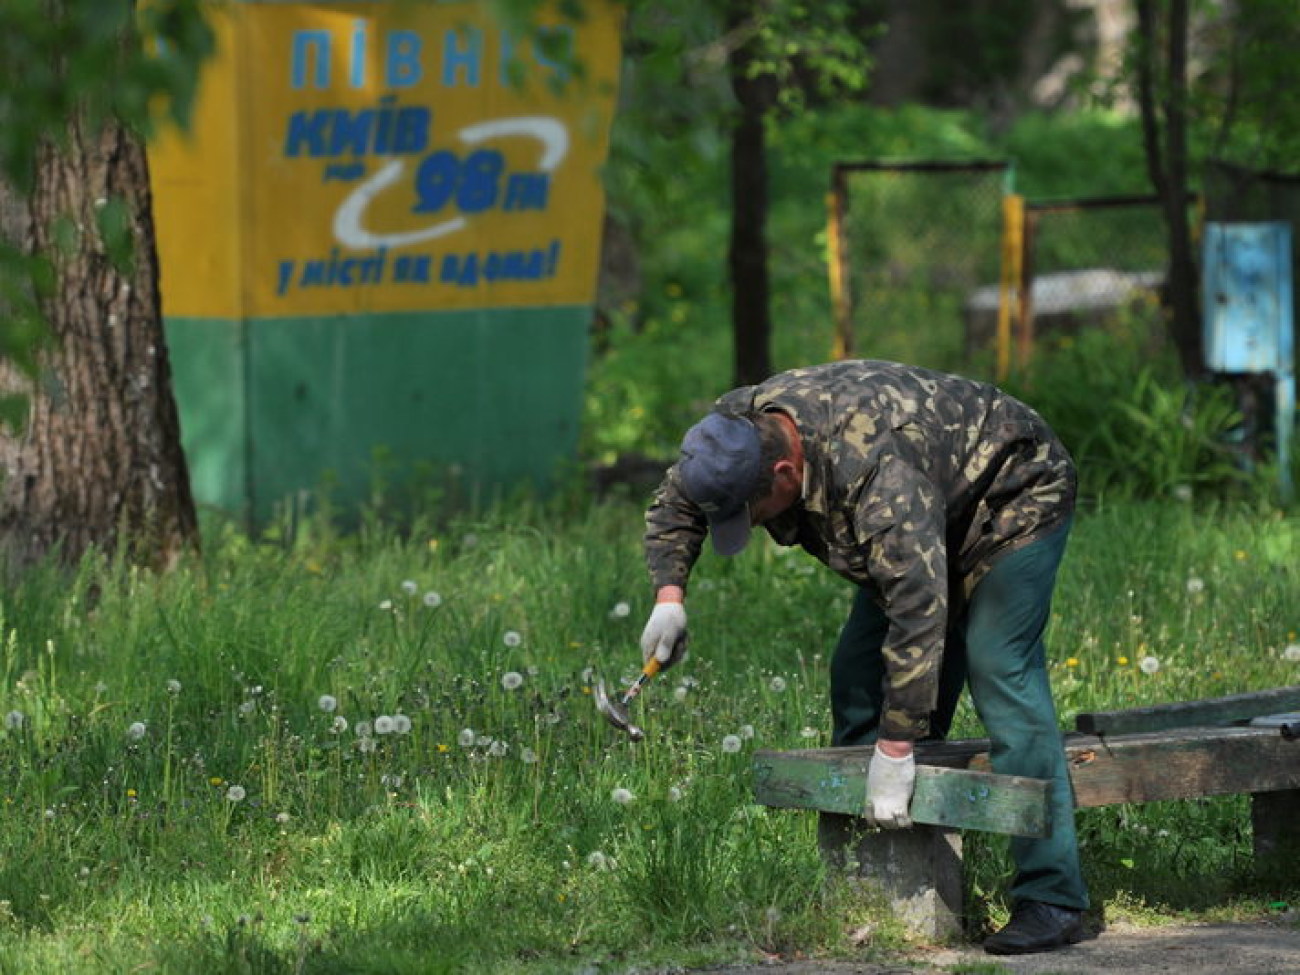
889, 789
664, 635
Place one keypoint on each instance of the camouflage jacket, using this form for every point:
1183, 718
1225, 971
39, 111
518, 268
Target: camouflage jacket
914, 483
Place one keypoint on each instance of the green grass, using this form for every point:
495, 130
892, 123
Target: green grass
491, 835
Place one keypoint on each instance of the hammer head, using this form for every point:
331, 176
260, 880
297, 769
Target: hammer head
615, 711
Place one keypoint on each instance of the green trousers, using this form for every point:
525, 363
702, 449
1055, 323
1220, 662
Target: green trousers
994, 644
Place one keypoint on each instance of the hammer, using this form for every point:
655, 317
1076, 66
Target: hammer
615, 711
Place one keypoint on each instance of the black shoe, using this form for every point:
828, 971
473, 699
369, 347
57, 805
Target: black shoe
1035, 926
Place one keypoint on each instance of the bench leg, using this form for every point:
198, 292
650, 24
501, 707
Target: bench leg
918, 870
1275, 817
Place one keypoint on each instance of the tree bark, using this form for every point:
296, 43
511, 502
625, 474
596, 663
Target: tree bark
99, 464
748, 254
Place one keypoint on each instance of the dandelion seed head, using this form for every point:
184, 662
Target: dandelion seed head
15, 720
366, 745
386, 605
622, 796
1195, 585
597, 860
512, 680
808, 732
731, 744
747, 731
327, 703
511, 638
409, 587
777, 685
247, 707
1182, 492
1149, 665
339, 724
401, 724
136, 731
235, 793
384, 725
498, 749
282, 818
432, 599
466, 738
173, 687
528, 756
620, 611
1292, 652
680, 692
674, 794
364, 729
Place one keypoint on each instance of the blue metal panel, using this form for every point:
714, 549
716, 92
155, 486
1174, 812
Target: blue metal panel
1247, 297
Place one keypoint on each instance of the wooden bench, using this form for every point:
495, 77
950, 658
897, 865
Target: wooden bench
1246, 743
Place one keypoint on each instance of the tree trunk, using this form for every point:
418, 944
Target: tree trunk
99, 464
1166, 154
751, 320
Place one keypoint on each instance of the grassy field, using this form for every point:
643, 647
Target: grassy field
379, 753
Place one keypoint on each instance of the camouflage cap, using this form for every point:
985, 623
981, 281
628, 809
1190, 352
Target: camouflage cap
719, 471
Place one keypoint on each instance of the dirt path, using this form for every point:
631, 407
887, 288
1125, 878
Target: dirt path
1260, 948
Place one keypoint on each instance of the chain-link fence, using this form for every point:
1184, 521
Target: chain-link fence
937, 263
909, 243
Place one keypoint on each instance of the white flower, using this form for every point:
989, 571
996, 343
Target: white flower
1195, 585
1149, 665
409, 587
401, 724
339, 724
808, 733
498, 749
622, 796
173, 687
466, 738
620, 611
598, 861
383, 725
432, 600
386, 605
512, 638
14, 720
136, 731
282, 818
1183, 492
1292, 652
777, 684
528, 756
731, 744
512, 680
235, 793
327, 703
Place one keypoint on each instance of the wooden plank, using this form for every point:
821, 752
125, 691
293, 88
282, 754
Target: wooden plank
835, 780
1233, 709
1183, 764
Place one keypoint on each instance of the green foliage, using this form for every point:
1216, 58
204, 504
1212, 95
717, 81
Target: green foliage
1136, 428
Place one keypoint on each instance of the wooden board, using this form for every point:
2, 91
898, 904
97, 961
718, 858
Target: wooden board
834, 781
1234, 709
1183, 764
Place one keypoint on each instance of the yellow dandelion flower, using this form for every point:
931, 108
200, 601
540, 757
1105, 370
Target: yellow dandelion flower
1240, 555
1122, 661
1072, 662
443, 749
586, 690
131, 793
215, 781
